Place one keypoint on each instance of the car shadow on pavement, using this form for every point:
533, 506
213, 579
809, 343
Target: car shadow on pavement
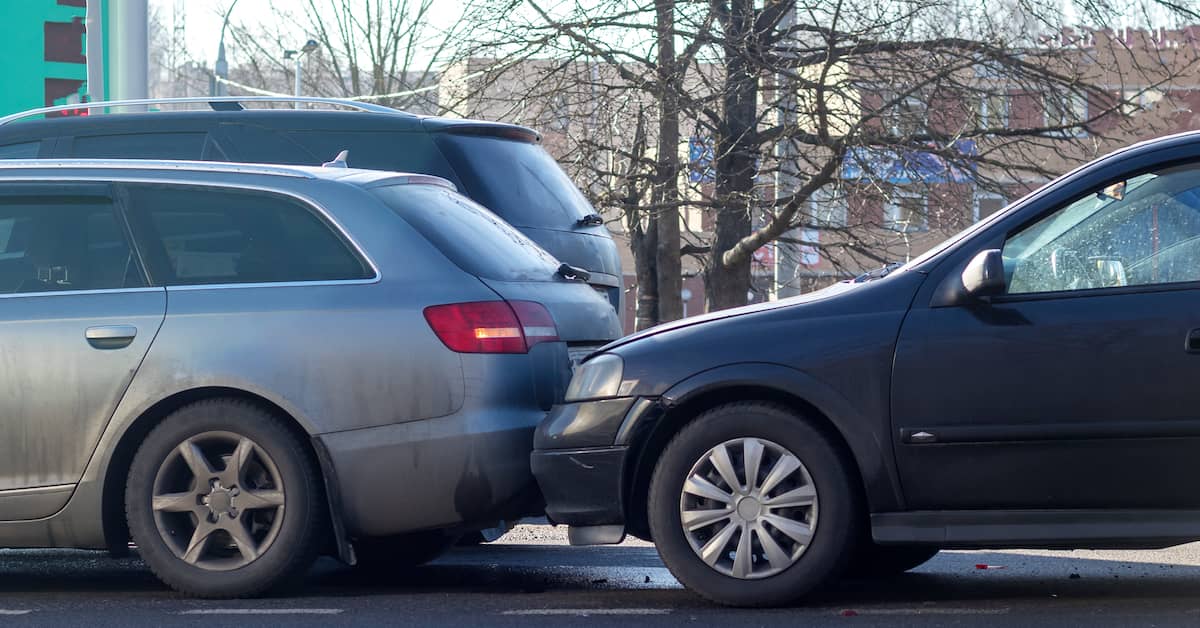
950, 577
635, 574
997, 576
506, 569
73, 571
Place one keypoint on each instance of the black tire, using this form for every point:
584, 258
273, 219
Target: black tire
837, 527
389, 554
882, 561
295, 538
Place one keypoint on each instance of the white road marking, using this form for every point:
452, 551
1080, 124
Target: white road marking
10, 611
584, 612
926, 611
263, 611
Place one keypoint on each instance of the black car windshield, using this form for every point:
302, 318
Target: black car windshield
472, 237
518, 180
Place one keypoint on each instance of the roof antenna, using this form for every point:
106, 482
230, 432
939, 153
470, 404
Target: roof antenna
339, 161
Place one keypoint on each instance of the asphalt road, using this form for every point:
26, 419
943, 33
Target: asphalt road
532, 579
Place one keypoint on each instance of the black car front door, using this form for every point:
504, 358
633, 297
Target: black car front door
1079, 387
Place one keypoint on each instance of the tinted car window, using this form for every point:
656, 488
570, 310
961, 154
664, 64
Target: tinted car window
24, 150
377, 150
140, 146
57, 244
474, 238
517, 180
206, 236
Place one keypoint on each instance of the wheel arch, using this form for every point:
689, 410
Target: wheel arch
873, 460
116, 529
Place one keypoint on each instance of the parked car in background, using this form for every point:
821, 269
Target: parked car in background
501, 166
238, 367
1030, 383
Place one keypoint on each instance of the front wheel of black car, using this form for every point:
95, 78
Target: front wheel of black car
751, 505
223, 500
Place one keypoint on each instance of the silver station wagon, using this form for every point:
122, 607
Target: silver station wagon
239, 367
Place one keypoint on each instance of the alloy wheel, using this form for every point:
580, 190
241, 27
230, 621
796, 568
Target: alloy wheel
749, 508
218, 501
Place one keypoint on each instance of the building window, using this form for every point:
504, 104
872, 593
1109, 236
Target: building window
828, 207
908, 116
1139, 100
988, 203
906, 211
1065, 111
993, 111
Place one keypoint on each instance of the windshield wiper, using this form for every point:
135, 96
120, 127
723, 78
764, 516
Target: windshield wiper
878, 273
572, 273
590, 220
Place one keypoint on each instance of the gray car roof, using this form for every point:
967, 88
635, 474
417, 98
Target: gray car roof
356, 176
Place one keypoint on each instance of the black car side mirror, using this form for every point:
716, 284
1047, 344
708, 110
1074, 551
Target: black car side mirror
984, 275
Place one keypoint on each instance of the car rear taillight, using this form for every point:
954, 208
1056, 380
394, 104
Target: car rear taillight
536, 322
491, 326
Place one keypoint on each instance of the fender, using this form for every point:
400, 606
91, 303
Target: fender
875, 459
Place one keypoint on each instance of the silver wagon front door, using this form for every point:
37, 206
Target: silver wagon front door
76, 319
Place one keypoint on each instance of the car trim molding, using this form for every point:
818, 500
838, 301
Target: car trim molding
1030, 529
64, 293
1000, 433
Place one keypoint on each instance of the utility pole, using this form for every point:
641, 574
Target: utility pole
787, 254
129, 55
221, 68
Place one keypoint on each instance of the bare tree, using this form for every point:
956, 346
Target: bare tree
387, 50
890, 109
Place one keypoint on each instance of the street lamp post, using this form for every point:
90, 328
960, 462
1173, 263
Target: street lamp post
221, 67
298, 56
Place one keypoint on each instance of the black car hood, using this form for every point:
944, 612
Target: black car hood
819, 295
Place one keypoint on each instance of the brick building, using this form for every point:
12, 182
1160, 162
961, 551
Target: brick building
900, 203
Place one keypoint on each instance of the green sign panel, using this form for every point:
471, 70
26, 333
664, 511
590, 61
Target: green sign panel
42, 44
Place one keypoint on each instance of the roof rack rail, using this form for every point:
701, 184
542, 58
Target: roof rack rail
215, 102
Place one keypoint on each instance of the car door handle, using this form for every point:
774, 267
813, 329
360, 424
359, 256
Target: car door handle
1192, 343
110, 336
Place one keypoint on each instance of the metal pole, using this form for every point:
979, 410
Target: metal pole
94, 35
221, 67
786, 181
129, 59
299, 69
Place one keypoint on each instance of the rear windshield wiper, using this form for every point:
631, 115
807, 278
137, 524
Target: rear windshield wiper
590, 220
572, 273
878, 273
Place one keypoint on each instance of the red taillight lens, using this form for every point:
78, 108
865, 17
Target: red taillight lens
536, 322
491, 326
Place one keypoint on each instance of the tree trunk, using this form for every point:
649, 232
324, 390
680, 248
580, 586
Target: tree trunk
643, 238
666, 185
726, 285
644, 245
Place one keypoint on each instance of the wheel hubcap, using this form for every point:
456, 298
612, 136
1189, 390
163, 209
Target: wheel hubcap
218, 501
748, 508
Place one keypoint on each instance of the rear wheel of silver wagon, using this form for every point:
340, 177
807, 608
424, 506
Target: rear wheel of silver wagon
223, 500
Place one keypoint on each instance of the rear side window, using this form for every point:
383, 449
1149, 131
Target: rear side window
59, 244
140, 146
24, 150
474, 238
378, 150
519, 181
211, 236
